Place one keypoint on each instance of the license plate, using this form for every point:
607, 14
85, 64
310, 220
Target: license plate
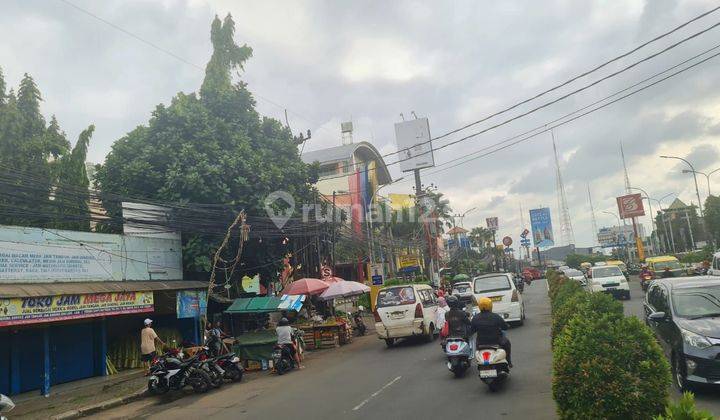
397, 315
611, 288
496, 298
489, 373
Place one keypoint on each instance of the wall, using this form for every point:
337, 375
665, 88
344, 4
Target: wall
32, 255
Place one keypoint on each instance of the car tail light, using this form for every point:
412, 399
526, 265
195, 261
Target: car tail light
377, 316
486, 357
418, 311
453, 347
514, 296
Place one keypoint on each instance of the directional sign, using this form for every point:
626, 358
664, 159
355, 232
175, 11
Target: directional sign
524, 233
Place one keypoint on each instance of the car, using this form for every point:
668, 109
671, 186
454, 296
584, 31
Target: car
715, 265
608, 279
405, 311
576, 275
501, 289
684, 315
463, 290
658, 265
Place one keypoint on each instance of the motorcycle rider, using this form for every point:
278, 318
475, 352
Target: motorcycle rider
666, 273
457, 319
285, 339
645, 271
489, 328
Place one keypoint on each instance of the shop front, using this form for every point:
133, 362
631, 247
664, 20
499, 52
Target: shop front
62, 332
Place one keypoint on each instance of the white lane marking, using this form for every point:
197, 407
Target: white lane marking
376, 393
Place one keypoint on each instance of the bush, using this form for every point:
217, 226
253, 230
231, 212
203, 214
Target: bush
563, 291
608, 368
584, 305
685, 410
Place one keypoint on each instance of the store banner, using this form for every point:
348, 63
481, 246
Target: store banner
191, 303
31, 310
630, 205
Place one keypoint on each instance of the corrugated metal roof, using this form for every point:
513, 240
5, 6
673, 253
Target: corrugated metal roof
20, 290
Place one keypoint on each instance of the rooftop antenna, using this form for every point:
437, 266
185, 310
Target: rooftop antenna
566, 230
346, 129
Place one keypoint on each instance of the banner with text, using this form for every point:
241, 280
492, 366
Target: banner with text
542, 230
31, 310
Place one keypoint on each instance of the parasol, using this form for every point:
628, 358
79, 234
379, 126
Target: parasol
306, 286
342, 289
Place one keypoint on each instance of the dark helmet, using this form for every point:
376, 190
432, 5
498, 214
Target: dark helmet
453, 302
283, 322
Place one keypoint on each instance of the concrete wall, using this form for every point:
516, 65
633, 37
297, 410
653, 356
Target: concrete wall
32, 255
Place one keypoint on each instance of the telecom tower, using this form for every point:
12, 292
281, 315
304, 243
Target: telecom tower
592, 215
566, 231
627, 178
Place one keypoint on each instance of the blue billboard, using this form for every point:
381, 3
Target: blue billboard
542, 231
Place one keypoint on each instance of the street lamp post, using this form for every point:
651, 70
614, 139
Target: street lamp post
668, 237
707, 176
697, 191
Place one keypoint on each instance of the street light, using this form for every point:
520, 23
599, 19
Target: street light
707, 176
697, 191
462, 217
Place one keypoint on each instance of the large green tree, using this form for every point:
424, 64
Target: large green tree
210, 147
712, 218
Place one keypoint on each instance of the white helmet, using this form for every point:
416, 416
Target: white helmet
148, 321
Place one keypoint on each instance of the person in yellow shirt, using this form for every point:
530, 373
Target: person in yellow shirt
147, 343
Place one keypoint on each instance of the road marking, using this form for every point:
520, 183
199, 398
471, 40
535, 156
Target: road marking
376, 393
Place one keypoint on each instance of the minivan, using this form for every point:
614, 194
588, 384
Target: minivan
501, 289
405, 311
608, 279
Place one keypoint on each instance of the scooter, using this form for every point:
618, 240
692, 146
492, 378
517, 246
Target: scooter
169, 372
360, 327
492, 365
283, 361
230, 363
645, 280
459, 353
6, 405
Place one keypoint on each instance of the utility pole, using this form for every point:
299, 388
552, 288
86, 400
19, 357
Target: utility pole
419, 198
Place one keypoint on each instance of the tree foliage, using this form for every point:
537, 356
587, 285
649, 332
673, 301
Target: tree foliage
39, 184
712, 217
210, 148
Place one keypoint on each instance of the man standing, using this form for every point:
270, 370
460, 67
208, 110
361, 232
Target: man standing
147, 343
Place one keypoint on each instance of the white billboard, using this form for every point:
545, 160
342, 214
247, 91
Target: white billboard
414, 145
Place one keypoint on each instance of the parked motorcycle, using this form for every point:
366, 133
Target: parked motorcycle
459, 353
360, 327
230, 363
169, 372
492, 366
210, 366
6, 405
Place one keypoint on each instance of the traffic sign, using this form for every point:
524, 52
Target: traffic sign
507, 241
524, 233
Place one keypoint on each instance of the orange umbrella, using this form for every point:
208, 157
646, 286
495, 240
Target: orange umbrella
306, 286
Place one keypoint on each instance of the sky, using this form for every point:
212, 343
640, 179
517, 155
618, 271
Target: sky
111, 63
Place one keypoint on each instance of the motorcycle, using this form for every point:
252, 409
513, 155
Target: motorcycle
6, 405
492, 366
459, 353
283, 361
210, 366
645, 280
169, 372
230, 363
360, 327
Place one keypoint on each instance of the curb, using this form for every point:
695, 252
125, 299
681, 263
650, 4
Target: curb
101, 406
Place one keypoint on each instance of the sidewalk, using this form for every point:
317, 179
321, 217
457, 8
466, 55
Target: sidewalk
72, 395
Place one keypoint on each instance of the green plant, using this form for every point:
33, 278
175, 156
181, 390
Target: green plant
608, 368
684, 410
584, 305
565, 290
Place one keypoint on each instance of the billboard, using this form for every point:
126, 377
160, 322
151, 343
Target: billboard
630, 206
541, 224
30, 310
191, 303
414, 145
492, 223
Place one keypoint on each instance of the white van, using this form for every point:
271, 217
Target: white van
405, 311
608, 279
714, 269
507, 300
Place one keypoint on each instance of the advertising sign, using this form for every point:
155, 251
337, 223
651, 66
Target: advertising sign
630, 206
377, 274
414, 146
191, 303
31, 310
251, 284
492, 223
541, 224
408, 261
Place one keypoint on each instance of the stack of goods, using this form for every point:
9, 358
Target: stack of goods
346, 333
311, 338
124, 352
329, 339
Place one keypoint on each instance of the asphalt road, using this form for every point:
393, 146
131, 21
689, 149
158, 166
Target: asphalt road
366, 380
708, 398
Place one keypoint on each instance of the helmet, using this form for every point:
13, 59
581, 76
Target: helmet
485, 304
283, 322
452, 301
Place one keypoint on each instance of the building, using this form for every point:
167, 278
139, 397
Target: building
68, 299
619, 236
679, 228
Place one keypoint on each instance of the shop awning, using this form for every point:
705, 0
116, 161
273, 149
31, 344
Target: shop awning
20, 290
262, 304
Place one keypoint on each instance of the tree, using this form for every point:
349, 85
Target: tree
212, 148
72, 194
712, 217
480, 237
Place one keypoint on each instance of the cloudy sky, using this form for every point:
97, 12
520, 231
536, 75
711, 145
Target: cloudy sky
454, 62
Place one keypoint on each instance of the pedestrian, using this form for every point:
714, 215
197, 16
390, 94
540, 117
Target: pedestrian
440, 314
147, 343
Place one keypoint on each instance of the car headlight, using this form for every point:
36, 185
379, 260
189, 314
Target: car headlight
695, 340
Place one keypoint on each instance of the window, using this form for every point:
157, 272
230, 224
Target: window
662, 301
426, 297
716, 263
653, 296
395, 296
697, 302
491, 284
607, 271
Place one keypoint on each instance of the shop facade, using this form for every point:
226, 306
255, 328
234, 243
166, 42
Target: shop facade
67, 298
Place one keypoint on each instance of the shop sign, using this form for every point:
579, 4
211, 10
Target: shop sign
191, 303
630, 205
409, 261
31, 310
